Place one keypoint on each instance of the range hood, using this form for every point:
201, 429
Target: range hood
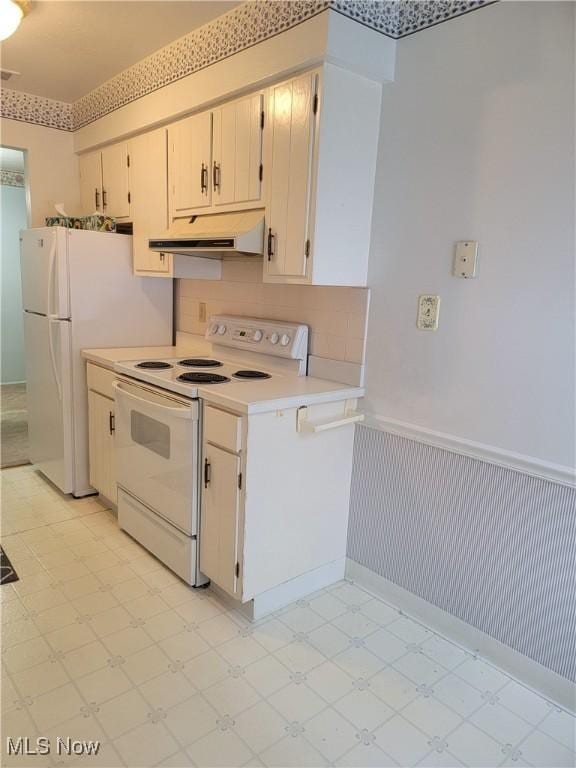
214, 235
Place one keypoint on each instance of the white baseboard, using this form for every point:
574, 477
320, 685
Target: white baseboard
301, 586
284, 594
528, 672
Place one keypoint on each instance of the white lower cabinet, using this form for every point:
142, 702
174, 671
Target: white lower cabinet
220, 510
275, 502
101, 429
101, 444
220, 557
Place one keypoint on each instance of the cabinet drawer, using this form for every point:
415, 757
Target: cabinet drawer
172, 547
100, 380
222, 428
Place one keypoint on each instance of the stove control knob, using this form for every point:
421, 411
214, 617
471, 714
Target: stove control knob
221, 330
285, 340
257, 335
214, 328
274, 338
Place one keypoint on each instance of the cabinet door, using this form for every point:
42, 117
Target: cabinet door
237, 151
91, 183
101, 444
219, 527
149, 200
190, 151
115, 189
292, 126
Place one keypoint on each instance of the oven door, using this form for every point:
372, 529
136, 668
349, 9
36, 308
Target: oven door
157, 451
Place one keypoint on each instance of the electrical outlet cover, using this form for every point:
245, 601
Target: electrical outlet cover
428, 310
465, 259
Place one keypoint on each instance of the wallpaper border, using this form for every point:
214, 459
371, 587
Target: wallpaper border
11, 178
38, 110
250, 23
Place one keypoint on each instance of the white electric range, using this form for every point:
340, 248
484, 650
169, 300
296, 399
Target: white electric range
159, 424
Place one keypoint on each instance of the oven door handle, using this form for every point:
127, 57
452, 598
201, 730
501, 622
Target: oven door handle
181, 412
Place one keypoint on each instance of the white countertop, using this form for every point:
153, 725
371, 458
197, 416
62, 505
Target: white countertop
283, 391
106, 357
277, 393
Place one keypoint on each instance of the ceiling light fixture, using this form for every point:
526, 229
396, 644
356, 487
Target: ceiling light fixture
11, 14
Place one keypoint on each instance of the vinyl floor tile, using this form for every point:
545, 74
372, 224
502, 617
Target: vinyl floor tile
102, 641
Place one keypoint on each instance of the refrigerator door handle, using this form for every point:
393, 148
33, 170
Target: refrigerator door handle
50, 284
52, 321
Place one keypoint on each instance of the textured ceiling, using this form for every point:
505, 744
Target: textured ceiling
66, 48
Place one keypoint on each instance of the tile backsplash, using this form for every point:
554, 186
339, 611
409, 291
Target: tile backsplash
336, 315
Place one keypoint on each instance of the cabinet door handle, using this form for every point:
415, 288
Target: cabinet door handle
111, 423
207, 467
104, 201
162, 257
204, 179
270, 243
216, 175
97, 198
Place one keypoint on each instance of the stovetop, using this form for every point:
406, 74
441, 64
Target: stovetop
248, 356
185, 375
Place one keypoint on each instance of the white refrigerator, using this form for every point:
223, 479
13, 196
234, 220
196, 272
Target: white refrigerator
78, 291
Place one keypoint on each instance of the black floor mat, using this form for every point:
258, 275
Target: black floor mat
7, 572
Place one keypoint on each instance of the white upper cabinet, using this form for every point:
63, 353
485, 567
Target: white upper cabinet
104, 183
190, 162
115, 188
321, 148
292, 116
304, 150
149, 212
149, 201
237, 151
91, 183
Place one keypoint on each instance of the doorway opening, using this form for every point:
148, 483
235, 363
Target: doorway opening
13, 218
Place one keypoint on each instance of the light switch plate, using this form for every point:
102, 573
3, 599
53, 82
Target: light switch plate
428, 310
465, 258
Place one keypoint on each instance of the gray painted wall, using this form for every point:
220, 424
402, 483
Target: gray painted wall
14, 218
477, 142
490, 545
